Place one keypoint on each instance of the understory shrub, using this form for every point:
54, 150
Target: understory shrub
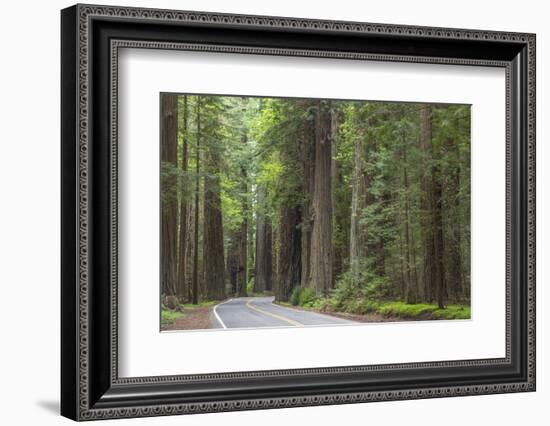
368, 293
302, 296
250, 286
295, 296
360, 294
323, 304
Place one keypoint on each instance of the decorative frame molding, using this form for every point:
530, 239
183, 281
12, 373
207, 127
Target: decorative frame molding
91, 388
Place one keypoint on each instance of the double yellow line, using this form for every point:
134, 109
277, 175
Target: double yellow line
271, 314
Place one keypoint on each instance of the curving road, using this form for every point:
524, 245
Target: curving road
254, 312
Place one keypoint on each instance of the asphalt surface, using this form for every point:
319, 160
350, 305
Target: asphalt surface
256, 312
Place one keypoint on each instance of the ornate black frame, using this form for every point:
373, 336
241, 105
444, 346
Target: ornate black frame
91, 37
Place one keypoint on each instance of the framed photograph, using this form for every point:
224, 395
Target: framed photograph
263, 212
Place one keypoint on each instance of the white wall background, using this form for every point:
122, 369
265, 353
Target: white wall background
29, 211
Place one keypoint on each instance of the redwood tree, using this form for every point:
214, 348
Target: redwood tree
358, 203
263, 266
289, 261
242, 273
427, 271
169, 155
195, 279
307, 153
213, 252
183, 231
321, 233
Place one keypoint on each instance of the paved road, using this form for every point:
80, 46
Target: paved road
254, 312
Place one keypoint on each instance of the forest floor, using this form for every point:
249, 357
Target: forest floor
371, 317
391, 311
192, 317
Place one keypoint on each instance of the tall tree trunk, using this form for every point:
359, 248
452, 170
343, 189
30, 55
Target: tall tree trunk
358, 237
437, 226
403, 283
415, 269
262, 276
411, 284
275, 251
381, 258
251, 250
169, 156
308, 170
428, 254
195, 281
233, 262
289, 258
242, 276
321, 234
183, 232
190, 249
214, 265
268, 255
337, 258
456, 280
384, 200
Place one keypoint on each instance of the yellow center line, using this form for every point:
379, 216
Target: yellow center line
271, 314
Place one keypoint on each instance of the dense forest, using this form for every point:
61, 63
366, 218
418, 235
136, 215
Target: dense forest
335, 204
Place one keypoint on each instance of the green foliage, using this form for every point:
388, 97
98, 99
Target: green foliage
369, 293
276, 128
250, 286
295, 296
201, 304
392, 309
356, 306
350, 292
404, 310
167, 316
169, 175
453, 312
307, 297
231, 206
303, 296
420, 310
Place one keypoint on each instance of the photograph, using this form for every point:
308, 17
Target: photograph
296, 212
274, 208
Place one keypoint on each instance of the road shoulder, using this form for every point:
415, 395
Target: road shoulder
196, 318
